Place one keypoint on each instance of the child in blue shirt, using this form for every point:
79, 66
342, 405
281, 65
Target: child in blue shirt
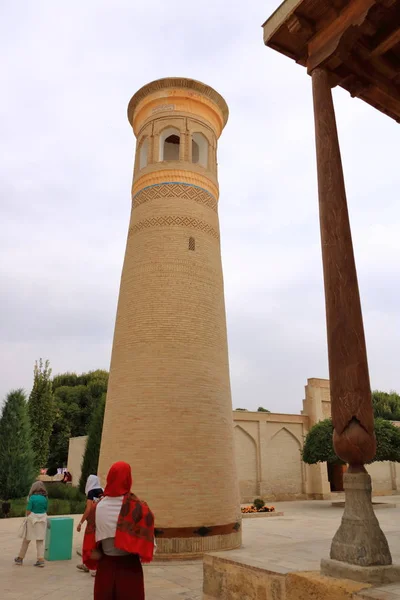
35, 523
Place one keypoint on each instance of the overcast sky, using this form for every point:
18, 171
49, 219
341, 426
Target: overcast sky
66, 156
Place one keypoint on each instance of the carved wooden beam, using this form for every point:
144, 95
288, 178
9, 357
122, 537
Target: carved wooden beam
301, 25
326, 41
383, 65
391, 40
380, 98
365, 70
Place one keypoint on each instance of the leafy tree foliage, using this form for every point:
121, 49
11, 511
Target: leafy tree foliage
387, 441
76, 397
262, 409
386, 405
16, 456
92, 452
318, 445
41, 412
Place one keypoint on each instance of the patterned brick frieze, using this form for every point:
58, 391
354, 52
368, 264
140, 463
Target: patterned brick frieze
174, 221
175, 190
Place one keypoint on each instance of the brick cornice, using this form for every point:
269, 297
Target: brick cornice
178, 83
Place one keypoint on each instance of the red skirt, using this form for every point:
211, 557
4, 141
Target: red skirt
119, 578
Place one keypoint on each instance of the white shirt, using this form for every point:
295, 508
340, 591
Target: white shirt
107, 513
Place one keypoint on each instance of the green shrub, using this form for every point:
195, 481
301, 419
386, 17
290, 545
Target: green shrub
77, 507
259, 503
61, 491
18, 507
318, 445
57, 506
66, 507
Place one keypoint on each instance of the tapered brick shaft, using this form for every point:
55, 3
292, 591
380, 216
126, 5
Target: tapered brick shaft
169, 410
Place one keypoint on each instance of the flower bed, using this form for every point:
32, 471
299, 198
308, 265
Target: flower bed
253, 509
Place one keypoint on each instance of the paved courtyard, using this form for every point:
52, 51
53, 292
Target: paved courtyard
296, 541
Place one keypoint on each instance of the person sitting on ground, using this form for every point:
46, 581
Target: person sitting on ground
93, 492
36, 523
119, 537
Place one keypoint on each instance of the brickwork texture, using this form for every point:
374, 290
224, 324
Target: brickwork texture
168, 410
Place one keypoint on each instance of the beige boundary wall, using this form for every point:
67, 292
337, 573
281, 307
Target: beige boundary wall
268, 453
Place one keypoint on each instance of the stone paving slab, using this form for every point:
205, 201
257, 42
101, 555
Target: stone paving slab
61, 580
387, 592
294, 542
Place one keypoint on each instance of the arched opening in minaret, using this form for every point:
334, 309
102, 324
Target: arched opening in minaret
143, 154
199, 149
170, 140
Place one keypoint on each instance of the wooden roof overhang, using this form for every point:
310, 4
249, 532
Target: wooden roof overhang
356, 41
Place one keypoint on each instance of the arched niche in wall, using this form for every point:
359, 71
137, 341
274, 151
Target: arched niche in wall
170, 140
143, 152
246, 461
199, 149
283, 453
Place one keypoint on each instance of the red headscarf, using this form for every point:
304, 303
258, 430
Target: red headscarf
119, 480
135, 526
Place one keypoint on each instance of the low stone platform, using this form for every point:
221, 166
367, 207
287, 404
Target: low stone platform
372, 574
229, 578
238, 579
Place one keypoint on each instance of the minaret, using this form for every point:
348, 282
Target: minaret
169, 410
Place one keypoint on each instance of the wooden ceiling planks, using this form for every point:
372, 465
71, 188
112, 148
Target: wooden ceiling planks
356, 41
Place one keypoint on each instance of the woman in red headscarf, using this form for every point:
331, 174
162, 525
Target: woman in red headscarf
119, 537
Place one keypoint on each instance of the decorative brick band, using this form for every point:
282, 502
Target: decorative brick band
192, 532
185, 548
175, 189
174, 220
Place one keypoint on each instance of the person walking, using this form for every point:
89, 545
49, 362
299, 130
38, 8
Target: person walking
119, 537
93, 492
35, 523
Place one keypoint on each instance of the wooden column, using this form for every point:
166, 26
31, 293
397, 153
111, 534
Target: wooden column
352, 414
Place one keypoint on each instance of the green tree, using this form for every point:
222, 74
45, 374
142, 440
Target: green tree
386, 405
41, 412
17, 470
262, 409
91, 457
76, 397
318, 444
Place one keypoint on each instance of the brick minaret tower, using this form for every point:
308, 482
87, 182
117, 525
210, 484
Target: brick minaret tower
169, 410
